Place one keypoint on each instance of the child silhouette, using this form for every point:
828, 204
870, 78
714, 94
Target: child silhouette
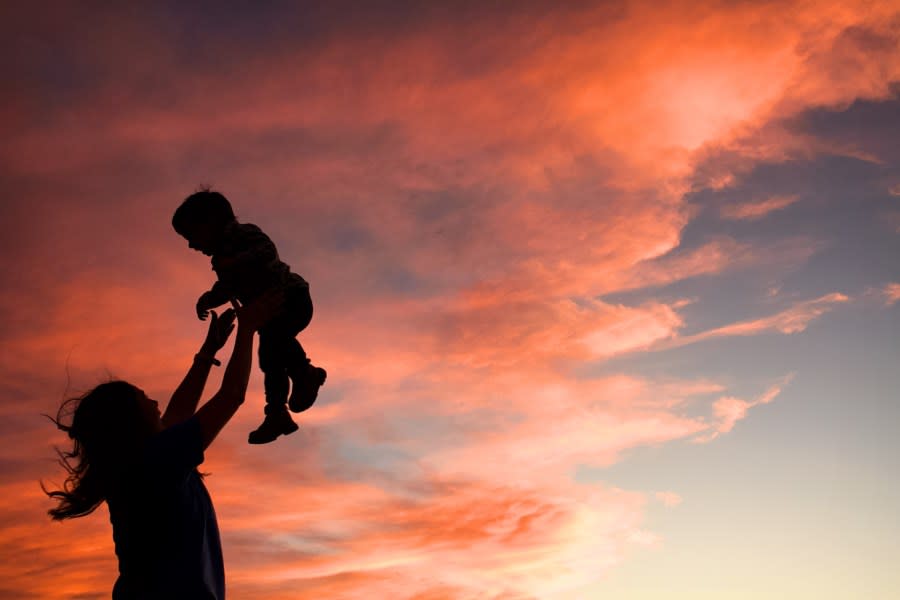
247, 265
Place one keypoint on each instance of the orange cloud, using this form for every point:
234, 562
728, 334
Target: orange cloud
40, 561
478, 539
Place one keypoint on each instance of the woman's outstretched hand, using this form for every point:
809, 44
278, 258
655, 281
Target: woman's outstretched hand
220, 329
254, 315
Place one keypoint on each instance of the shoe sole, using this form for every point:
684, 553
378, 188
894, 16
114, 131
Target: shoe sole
319, 375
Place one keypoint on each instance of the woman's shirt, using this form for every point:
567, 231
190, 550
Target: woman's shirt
164, 525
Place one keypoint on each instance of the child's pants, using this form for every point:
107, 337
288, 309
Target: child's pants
281, 357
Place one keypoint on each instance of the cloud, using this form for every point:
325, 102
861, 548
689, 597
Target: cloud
791, 320
728, 410
891, 293
757, 210
524, 334
668, 499
476, 539
42, 566
718, 256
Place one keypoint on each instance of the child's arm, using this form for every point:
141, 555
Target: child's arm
214, 298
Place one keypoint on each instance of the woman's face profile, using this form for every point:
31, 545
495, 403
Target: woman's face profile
149, 411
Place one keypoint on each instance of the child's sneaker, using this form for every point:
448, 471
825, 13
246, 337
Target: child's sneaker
304, 391
277, 422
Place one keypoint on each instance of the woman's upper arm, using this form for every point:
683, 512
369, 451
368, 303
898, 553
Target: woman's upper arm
216, 413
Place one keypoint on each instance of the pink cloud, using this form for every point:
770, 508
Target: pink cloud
728, 410
518, 335
757, 210
717, 256
891, 293
791, 320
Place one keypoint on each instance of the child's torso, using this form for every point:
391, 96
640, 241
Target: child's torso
247, 262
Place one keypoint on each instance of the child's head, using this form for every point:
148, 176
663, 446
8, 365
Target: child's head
202, 218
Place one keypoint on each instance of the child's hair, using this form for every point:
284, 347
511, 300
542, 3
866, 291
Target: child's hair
203, 206
107, 431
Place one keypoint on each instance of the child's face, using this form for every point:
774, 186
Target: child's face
202, 237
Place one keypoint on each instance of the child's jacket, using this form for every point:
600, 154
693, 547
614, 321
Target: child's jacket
247, 265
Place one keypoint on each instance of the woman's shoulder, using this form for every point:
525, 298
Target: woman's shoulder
179, 447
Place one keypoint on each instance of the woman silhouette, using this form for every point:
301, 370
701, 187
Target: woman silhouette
144, 466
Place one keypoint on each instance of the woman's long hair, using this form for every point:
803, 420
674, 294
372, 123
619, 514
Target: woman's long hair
107, 432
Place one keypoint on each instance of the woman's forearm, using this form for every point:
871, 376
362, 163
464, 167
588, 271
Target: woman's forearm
221, 407
237, 373
186, 396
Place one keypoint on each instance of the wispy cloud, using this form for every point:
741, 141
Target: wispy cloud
728, 410
791, 320
891, 293
757, 210
668, 499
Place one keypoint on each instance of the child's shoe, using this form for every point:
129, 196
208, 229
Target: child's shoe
305, 390
277, 422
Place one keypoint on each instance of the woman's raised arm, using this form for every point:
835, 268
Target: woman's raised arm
221, 407
184, 400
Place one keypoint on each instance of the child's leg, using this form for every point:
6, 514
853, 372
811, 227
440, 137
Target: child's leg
306, 379
273, 363
295, 358
272, 353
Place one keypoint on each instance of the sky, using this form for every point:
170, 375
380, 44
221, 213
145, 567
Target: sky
607, 292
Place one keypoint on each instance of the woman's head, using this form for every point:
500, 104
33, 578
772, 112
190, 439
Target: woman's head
108, 427
111, 413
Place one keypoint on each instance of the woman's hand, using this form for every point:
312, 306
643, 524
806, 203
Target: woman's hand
256, 314
220, 329
184, 400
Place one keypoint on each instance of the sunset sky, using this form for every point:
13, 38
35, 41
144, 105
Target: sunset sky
607, 292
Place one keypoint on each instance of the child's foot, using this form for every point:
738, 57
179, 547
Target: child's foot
275, 424
304, 391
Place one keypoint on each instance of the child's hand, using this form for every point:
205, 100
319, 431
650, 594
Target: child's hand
204, 304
